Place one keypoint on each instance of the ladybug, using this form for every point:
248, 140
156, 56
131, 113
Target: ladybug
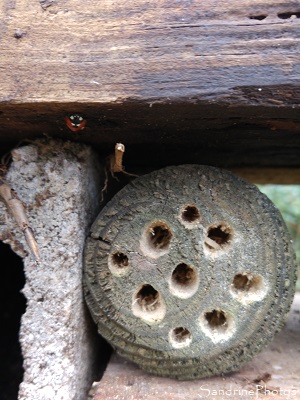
75, 122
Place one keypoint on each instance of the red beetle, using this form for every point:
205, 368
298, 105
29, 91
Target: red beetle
75, 122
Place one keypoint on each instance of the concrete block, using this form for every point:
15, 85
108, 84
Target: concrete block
60, 185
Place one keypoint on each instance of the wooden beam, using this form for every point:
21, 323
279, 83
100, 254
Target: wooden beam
166, 134
278, 176
242, 51
176, 81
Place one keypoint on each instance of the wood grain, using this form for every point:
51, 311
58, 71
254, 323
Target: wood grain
177, 81
278, 176
111, 51
123, 380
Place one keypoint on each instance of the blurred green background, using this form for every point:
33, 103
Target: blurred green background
287, 200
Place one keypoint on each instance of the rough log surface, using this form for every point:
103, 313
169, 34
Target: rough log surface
272, 375
168, 251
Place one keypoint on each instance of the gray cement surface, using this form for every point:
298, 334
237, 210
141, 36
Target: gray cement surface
59, 184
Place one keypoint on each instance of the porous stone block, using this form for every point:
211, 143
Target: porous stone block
59, 184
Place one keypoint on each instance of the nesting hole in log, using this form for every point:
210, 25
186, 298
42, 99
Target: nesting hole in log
218, 236
246, 282
148, 304
148, 298
217, 325
288, 15
120, 260
248, 287
160, 237
258, 17
184, 281
180, 337
118, 263
216, 319
190, 215
156, 239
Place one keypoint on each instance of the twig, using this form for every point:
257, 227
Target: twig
17, 210
212, 244
117, 160
114, 164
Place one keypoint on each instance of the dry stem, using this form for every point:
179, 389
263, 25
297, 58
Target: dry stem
115, 164
117, 160
17, 210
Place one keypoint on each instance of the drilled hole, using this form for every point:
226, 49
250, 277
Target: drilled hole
148, 298
184, 281
120, 260
248, 287
216, 319
148, 304
159, 237
156, 239
180, 337
217, 325
190, 214
246, 282
288, 15
183, 274
118, 263
258, 17
218, 236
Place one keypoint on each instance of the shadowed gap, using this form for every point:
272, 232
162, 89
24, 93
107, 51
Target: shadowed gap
12, 306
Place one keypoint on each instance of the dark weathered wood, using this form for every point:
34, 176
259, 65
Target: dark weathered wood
106, 51
279, 176
219, 80
167, 134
